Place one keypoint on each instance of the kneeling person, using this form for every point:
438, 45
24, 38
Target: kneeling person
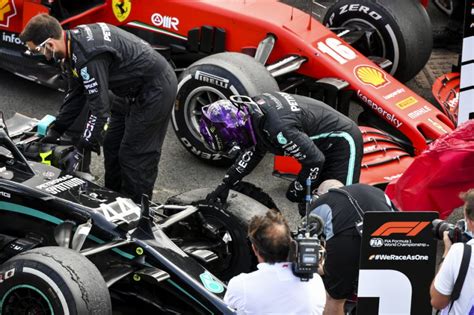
339, 206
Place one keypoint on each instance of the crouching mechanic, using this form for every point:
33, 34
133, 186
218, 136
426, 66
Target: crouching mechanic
99, 57
273, 288
325, 142
443, 295
341, 208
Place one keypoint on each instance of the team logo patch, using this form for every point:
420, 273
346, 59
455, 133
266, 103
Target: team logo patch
281, 139
84, 74
371, 76
121, 9
7, 11
406, 102
210, 283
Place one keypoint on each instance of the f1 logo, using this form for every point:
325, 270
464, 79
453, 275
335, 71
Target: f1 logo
409, 228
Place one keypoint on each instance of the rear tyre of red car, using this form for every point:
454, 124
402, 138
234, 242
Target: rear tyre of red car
401, 31
52, 280
208, 80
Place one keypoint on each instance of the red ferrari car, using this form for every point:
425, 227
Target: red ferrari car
352, 61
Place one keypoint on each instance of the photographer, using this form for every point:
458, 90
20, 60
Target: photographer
341, 208
442, 289
273, 288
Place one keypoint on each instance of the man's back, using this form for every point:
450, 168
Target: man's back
444, 281
273, 289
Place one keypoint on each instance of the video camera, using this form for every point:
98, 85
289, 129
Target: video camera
306, 242
456, 232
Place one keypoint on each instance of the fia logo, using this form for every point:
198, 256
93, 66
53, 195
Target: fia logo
376, 242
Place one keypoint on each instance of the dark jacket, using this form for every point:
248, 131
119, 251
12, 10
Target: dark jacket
290, 125
102, 57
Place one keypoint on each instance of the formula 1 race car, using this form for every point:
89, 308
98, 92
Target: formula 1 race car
69, 246
221, 48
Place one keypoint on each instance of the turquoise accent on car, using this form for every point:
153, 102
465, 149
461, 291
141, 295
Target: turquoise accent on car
23, 286
13, 207
210, 283
7, 206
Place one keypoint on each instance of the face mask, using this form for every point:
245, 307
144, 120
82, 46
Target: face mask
54, 56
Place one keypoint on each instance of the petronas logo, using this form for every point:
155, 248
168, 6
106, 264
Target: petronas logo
210, 283
371, 76
281, 139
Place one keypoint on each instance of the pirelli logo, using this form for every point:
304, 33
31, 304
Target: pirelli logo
409, 228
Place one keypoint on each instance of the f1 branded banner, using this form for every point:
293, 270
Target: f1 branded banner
397, 263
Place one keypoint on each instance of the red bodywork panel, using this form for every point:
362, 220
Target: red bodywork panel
383, 161
446, 91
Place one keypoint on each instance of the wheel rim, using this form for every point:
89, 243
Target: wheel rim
222, 244
373, 44
194, 102
25, 299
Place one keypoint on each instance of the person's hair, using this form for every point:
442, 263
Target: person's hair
328, 184
40, 28
468, 198
270, 234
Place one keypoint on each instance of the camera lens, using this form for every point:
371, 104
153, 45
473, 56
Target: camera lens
439, 226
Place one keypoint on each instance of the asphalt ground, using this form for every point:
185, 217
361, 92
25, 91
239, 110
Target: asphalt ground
179, 171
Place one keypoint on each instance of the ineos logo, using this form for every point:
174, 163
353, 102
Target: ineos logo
165, 21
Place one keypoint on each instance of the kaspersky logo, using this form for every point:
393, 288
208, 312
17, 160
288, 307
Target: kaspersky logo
371, 76
408, 228
7, 11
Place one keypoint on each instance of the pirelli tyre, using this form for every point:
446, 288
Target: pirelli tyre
208, 80
399, 31
52, 280
256, 193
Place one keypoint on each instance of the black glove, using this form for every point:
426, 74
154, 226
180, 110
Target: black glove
84, 145
295, 192
70, 162
219, 194
52, 136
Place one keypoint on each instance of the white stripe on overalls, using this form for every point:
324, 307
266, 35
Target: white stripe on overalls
352, 150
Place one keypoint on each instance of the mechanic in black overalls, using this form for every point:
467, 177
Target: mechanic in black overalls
341, 209
101, 57
326, 143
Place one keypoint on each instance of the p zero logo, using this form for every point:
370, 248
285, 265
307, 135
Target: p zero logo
371, 76
409, 228
7, 11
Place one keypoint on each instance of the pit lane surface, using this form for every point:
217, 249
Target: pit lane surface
179, 171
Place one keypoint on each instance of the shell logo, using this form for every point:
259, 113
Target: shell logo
371, 76
7, 11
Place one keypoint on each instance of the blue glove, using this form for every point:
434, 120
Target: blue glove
70, 162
